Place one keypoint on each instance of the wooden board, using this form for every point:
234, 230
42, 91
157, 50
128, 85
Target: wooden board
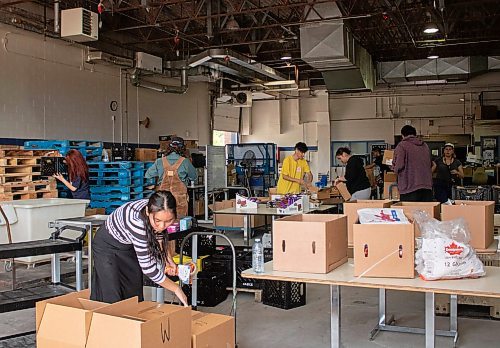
344, 276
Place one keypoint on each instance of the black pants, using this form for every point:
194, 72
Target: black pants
422, 195
117, 274
442, 191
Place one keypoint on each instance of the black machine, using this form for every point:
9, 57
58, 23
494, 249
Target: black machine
122, 152
52, 165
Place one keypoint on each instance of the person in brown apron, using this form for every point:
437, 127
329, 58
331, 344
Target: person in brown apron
175, 172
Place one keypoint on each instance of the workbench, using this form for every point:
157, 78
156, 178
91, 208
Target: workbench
487, 286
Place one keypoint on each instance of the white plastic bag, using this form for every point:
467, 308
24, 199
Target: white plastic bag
445, 252
382, 216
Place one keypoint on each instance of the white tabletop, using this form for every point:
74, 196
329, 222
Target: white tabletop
263, 210
488, 286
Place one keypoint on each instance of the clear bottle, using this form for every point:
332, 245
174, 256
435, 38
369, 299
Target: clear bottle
258, 256
105, 156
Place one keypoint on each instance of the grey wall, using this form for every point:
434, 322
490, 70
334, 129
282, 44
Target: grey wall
47, 91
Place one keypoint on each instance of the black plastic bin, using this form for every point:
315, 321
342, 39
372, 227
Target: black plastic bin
284, 295
211, 289
206, 246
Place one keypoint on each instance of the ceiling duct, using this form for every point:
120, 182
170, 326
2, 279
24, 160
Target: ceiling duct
494, 63
235, 64
137, 79
453, 69
329, 47
106, 58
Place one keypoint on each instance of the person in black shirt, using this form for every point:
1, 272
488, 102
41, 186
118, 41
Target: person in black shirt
378, 170
355, 177
78, 171
448, 171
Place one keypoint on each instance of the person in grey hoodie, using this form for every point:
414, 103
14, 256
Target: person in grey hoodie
412, 163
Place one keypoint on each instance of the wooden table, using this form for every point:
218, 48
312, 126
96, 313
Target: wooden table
488, 286
263, 211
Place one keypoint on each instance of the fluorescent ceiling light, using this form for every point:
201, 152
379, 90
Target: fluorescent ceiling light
432, 56
431, 28
286, 56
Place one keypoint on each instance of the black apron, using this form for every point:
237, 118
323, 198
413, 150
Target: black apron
117, 274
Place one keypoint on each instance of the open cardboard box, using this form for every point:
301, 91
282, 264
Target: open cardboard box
212, 330
344, 192
64, 321
388, 157
133, 324
479, 216
431, 208
390, 186
351, 210
320, 193
233, 220
313, 243
384, 250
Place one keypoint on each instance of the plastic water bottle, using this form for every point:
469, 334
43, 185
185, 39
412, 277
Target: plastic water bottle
105, 156
258, 256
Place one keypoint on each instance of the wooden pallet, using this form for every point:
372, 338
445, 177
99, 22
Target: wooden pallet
28, 195
27, 153
257, 292
468, 306
36, 185
19, 177
19, 161
19, 169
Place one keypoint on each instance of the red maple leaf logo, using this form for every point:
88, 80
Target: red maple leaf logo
453, 249
385, 217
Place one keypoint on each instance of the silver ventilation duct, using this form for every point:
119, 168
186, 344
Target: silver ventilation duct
137, 80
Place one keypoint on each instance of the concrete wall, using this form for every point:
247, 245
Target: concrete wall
49, 92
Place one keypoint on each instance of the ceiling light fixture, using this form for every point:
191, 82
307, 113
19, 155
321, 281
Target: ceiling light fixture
232, 24
432, 55
286, 56
431, 28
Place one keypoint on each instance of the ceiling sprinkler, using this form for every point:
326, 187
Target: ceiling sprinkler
227, 59
100, 7
385, 16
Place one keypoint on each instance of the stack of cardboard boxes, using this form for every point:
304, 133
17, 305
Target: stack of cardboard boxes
233, 220
74, 321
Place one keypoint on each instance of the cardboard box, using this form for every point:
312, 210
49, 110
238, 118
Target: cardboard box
297, 207
390, 179
486, 112
233, 220
273, 191
212, 330
432, 208
351, 210
146, 155
479, 216
373, 243
64, 321
130, 324
312, 243
317, 193
199, 207
388, 157
245, 203
344, 192
95, 211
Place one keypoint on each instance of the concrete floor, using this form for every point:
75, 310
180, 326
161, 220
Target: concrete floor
309, 326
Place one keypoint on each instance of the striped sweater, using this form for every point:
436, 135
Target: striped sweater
127, 227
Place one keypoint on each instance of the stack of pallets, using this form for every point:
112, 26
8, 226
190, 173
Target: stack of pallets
91, 150
20, 175
114, 183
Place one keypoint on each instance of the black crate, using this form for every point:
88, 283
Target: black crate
495, 193
211, 289
206, 245
471, 193
122, 152
52, 165
284, 295
222, 262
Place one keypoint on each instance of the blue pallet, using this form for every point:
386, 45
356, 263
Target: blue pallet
46, 144
85, 143
106, 181
96, 173
111, 197
117, 165
149, 182
116, 189
90, 152
148, 165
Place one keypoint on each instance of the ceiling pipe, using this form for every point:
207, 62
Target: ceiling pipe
137, 81
57, 26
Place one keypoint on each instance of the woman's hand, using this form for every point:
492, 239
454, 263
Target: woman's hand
59, 176
454, 172
181, 296
171, 270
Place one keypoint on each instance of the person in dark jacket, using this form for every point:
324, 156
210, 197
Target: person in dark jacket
449, 172
413, 166
355, 177
78, 171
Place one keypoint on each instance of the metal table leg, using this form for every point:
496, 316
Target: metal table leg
160, 295
335, 323
246, 229
430, 328
453, 317
194, 285
382, 320
56, 269
78, 270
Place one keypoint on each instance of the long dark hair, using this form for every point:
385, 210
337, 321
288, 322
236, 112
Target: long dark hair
159, 201
77, 167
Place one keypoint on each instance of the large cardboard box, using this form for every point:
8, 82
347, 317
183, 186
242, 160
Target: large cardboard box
146, 155
133, 324
317, 193
390, 186
212, 330
384, 250
64, 321
432, 208
199, 207
388, 157
351, 210
479, 216
313, 243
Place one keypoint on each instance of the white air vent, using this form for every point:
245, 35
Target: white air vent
79, 24
242, 99
105, 58
149, 62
